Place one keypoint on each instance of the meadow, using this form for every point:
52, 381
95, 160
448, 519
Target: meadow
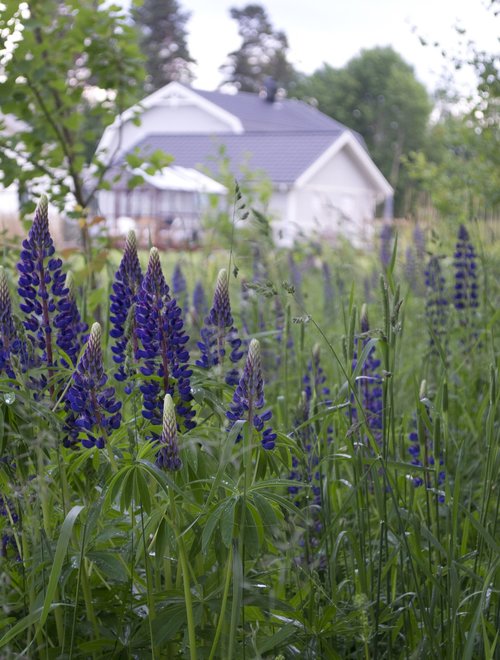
251, 453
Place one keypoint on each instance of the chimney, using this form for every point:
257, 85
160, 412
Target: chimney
270, 88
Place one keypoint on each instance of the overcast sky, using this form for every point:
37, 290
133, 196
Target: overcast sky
333, 31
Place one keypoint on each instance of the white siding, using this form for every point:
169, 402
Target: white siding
339, 201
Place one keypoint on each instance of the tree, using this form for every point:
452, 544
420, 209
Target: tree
68, 68
163, 40
262, 54
376, 94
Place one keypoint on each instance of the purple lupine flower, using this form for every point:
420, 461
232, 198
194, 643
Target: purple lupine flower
168, 453
179, 286
386, 245
10, 344
315, 395
41, 283
328, 294
71, 330
422, 452
296, 278
8, 517
419, 242
219, 331
200, 306
369, 383
466, 288
162, 348
248, 398
126, 285
436, 304
92, 409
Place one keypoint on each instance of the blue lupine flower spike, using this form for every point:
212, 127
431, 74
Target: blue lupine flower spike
71, 330
93, 411
162, 348
436, 305
126, 285
10, 344
41, 283
168, 453
423, 456
369, 382
466, 288
219, 330
248, 398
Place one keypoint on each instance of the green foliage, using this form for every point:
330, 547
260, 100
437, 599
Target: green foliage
104, 553
74, 66
376, 94
163, 40
262, 54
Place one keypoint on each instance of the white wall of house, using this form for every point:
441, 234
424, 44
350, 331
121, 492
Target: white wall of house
338, 200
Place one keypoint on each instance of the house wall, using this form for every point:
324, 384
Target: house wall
179, 118
339, 200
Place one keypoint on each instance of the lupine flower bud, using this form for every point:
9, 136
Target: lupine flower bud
93, 411
168, 453
219, 330
249, 397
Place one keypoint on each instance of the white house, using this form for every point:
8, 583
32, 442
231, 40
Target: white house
324, 181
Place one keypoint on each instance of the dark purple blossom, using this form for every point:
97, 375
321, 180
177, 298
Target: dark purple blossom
10, 344
128, 279
8, 519
71, 330
168, 452
41, 284
219, 331
421, 450
466, 287
93, 412
200, 306
248, 398
162, 348
179, 286
386, 236
368, 384
436, 305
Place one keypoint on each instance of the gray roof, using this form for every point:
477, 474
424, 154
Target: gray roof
257, 114
282, 139
283, 156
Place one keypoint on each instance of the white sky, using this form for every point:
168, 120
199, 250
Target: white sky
334, 31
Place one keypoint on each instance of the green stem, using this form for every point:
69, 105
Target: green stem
225, 594
149, 587
185, 580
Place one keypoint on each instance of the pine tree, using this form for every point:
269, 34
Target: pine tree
262, 54
163, 41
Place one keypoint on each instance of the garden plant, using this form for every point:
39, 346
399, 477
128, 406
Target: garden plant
257, 453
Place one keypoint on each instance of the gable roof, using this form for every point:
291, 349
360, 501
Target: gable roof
284, 138
283, 155
257, 114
